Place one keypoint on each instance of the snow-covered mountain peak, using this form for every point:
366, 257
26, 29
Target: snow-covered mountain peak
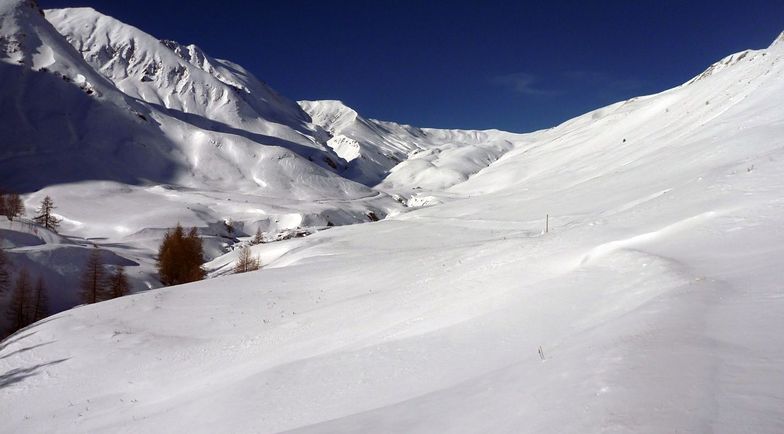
177, 77
18, 39
28, 40
724, 63
775, 49
196, 57
332, 115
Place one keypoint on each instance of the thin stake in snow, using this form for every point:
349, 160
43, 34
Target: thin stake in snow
547, 223
541, 353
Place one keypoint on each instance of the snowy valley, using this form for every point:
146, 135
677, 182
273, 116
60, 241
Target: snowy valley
620, 272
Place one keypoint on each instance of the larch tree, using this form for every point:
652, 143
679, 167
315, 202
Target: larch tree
194, 256
13, 206
258, 238
93, 278
168, 266
118, 283
44, 216
180, 257
18, 310
246, 262
5, 273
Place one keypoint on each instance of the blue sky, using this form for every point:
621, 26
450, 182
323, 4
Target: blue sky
511, 65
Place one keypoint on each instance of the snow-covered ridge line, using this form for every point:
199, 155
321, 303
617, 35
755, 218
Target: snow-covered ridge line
735, 58
175, 76
379, 152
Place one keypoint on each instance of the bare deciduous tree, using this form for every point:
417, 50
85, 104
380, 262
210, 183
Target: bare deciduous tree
118, 283
40, 302
19, 308
246, 262
45, 217
258, 238
5, 274
93, 278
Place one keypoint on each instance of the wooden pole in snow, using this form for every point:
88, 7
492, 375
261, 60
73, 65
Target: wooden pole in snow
547, 224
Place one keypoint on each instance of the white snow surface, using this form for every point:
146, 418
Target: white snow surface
656, 297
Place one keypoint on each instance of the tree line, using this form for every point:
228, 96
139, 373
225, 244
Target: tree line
181, 255
180, 259
29, 301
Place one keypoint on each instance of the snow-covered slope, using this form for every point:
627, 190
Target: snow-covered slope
654, 303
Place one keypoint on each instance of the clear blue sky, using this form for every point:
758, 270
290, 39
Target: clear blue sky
511, 65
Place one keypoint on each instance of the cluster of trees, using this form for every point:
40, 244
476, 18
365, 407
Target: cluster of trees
11, 205
28, 300
180, 257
